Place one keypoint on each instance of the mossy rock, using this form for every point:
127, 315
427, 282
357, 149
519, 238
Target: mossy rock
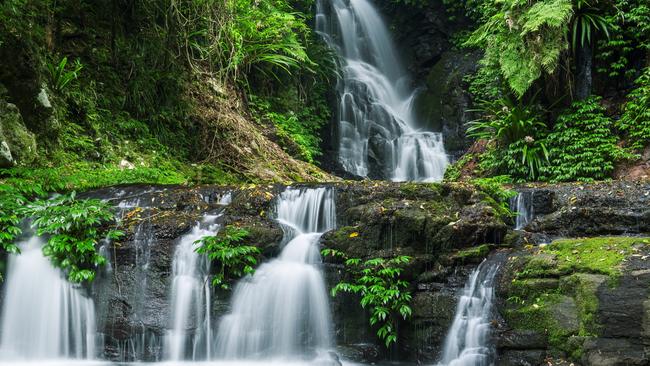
471, 255
533, 287
20, 141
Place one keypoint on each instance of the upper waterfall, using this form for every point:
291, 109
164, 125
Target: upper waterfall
377, 128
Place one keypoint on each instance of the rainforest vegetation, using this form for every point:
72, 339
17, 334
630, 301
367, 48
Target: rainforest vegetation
246, 94
97, 93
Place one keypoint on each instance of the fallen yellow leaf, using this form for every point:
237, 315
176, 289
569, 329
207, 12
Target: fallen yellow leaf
354, 234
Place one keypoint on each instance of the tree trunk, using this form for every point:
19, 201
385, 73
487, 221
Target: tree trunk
584, 81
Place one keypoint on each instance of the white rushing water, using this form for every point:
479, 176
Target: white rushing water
468, 340
191, 297
282, 311
191, 335
522, 204
377, 124
44, 316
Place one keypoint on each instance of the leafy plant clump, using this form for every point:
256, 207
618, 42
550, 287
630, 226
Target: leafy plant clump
382, 290
635, 120
582, 146
518, 129
496, 194
74, 228
11, 200
233, 260
523, 39
60, 76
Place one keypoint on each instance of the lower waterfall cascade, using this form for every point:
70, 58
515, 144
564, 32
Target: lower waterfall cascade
44, 316
282, 311
468, 340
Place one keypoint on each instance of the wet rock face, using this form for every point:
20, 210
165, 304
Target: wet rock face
425, 36
427, 222
133, 292
413, 219
440, 226
592, 209
552, 308
17, 144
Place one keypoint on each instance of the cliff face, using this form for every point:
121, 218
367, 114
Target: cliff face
598, 312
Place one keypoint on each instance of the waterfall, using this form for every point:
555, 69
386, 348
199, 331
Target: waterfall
377, 127
44, 316
191, 297
467, 342
523, 206
282, 311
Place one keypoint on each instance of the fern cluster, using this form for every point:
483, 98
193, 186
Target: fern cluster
522, 39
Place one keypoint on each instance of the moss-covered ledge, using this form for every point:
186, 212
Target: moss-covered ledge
556, 290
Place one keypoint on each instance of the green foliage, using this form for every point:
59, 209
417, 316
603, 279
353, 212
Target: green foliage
236, 37
496, 194
587, 19
11, 201
505, 120
74, 228
523, 39
629, 38
517, 128
635, 120
454, 171
59, 76
582, 145
382, 290
298, 124
233, 260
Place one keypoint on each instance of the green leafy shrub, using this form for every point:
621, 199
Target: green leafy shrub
14, 195
74, 228
11, 200
298, 124
496, 194
233, 260
516, 127
635, 120
629, 38
382, 290
582, 146
59, 76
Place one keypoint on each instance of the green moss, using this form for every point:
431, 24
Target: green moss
564, 278
472, 254
536, 314
531, 288
602, 255
584, 288
346, 233
540, 265
83, 176
414, 190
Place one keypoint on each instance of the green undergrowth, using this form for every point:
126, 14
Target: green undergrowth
83, 176
554, 290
